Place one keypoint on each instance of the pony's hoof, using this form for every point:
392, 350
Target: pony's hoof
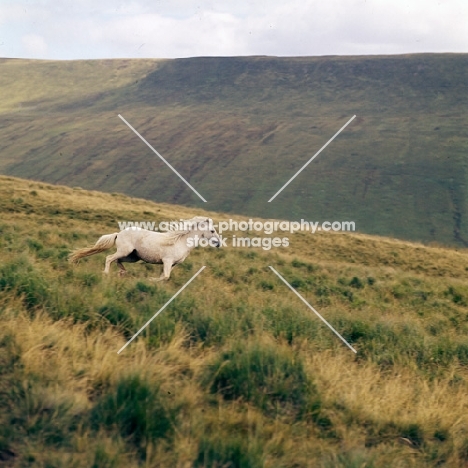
122, 273
155, 280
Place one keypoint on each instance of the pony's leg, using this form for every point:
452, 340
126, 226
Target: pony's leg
124, 249
166, 271
109, 260
122, 270
119, 257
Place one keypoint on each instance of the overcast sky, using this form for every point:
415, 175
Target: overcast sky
78, 29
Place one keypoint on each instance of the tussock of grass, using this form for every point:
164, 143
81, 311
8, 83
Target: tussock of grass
136, 409
260, 374
23, 280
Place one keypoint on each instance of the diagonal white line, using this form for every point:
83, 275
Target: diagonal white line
313, 310
161, 309
312, 158
162, 159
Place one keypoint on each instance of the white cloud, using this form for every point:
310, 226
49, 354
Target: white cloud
183, 28
208, 33
34, 45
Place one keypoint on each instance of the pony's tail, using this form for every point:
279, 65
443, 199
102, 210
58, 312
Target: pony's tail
104, 243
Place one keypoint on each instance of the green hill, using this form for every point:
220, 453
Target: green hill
236, 371
239, 128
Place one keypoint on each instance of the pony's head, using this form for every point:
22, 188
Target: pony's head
205, 229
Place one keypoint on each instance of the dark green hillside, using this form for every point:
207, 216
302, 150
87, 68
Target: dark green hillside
239, 128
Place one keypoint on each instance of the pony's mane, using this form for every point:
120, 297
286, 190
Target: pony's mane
174, 235
171, 237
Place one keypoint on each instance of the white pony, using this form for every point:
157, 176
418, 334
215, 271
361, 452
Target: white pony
168, 248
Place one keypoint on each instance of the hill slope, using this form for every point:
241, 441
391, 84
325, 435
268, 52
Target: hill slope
236, 371
239, 128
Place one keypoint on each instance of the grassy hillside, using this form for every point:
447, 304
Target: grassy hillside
239, 128
236, 371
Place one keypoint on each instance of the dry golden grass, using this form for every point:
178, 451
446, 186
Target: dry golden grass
402, 401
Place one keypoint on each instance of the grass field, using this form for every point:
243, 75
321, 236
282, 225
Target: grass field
236, 372
239, 128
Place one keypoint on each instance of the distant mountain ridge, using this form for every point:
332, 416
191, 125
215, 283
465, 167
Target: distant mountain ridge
237, 128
